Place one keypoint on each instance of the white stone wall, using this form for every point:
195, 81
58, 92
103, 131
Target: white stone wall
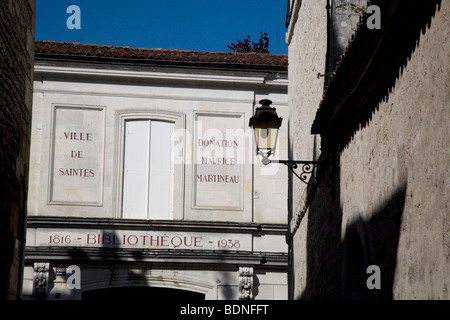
307, 59
187, 95
184, 96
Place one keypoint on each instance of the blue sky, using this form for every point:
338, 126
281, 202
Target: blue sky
199, 25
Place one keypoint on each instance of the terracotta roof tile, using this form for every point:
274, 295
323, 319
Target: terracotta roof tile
169, 55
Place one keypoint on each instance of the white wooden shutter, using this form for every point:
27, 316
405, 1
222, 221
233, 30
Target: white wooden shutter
148, 170
161, 171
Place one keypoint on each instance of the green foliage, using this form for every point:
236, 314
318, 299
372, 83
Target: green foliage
247, 45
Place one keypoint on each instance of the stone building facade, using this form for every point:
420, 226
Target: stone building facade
16, 84
144, 180
380, 113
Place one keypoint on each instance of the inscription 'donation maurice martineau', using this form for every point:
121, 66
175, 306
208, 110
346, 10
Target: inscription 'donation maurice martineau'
218, 167
222, 160
77, 155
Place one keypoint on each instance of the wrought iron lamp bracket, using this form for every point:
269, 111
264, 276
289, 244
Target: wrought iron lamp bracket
307, 170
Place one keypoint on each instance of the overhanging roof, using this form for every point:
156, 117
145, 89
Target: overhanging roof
93, 52
369, 67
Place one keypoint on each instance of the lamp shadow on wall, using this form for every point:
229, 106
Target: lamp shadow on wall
373, 242
337, 263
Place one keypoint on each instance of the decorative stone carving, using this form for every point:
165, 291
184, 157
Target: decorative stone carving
245, 283
41, 273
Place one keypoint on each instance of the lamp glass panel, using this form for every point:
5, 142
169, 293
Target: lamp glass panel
266, 138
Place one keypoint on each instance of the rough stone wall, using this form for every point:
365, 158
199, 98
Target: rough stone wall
390, 204
395, 175
16, 65
312, 26
307, 57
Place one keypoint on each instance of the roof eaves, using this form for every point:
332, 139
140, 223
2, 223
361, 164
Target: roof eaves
351, 67
80, 52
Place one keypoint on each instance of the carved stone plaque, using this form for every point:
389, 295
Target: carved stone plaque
218, 161
76, 173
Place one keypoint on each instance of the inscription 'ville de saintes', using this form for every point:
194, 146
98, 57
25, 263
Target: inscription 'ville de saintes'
82, 137
224, 161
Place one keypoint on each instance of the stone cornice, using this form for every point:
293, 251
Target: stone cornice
138, 72
137, 224
207, 257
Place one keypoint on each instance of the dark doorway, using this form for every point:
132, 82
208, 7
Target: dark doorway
138, 293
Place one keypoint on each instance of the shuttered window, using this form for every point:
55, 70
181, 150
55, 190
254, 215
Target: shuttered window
148, 170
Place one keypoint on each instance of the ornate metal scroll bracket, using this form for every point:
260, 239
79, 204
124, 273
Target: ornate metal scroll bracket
309, 172
245, 283
41, 274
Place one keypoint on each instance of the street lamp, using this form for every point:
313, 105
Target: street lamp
265, 124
